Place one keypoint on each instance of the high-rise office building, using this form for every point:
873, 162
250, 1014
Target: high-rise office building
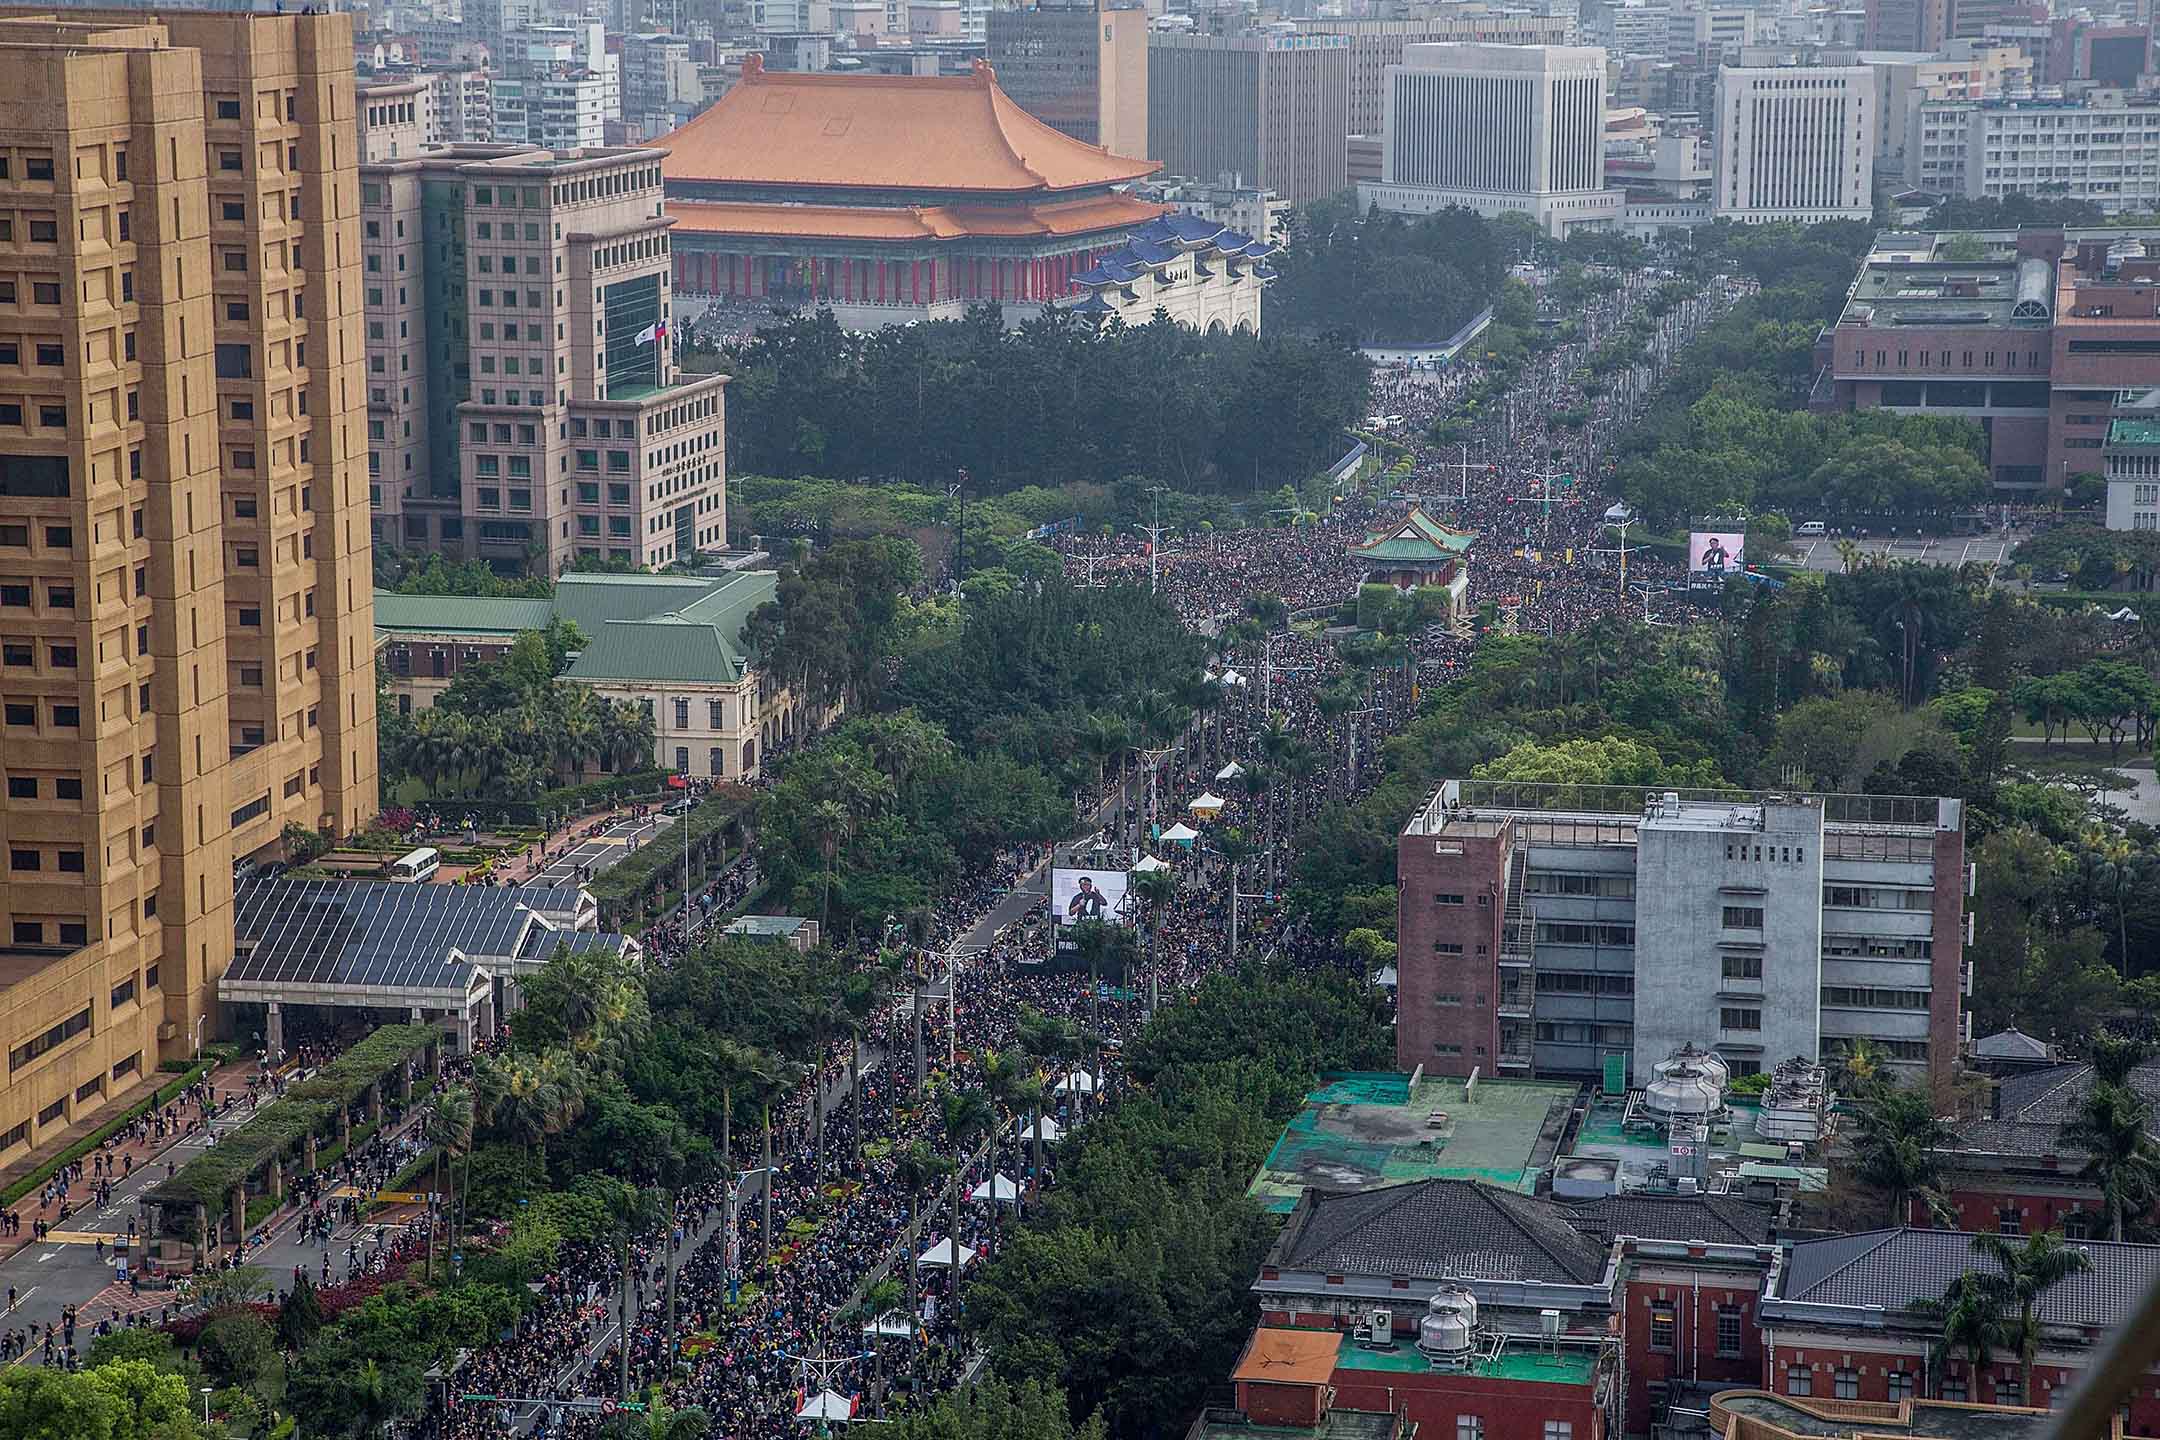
523, 401
1079, 68
1499, 129
1272, 110
1377, 44
185, 586
1796, 143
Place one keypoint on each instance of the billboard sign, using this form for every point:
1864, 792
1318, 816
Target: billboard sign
1716, 552
1077, 895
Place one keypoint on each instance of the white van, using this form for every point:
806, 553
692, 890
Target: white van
1813, 527
415, 869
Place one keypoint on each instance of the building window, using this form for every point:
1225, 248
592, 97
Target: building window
1733, 1018
682, 760
1728, 1332
714, 710
1664, 1326
1847, 1381
1439, 899
1469, 1427
1799, 1380
52, 1039
1743, 967
1743, 917
1559, 1430
2009, 1221
1953, 1387
1902, 1385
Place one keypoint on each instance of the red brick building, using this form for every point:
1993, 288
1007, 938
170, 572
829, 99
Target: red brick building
2013, 1173
1840, 1322
1591, 1316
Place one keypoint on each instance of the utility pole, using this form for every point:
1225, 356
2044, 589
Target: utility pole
957, 494
1154, 533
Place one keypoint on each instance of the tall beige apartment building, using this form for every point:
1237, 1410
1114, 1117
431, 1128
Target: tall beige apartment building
523, 402
186, 655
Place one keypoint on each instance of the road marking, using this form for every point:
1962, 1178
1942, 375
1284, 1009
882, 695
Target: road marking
49, 1254
25, 1295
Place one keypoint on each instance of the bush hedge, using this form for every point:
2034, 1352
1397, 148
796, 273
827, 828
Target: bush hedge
307, 1108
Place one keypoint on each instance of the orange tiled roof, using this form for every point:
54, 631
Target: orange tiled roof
1289, 1357
893, 132
909, 222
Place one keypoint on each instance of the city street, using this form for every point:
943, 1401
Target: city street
597, 853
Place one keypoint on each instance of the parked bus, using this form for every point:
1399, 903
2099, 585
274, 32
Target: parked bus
415, 869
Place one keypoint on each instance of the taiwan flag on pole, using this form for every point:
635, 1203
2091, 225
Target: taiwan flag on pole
655, 331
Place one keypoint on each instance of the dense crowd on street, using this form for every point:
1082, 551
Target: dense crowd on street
752, 1299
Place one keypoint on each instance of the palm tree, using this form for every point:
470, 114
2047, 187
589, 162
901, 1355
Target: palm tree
773, 1080
632, 1211
1862, 1065
518, 1098
919, 925
375, 1399
2026, 1271
1155, 889
967, 1115
737, 1064
918, 1169
449, 1128
1968, 1323
832, 823
2114, 1056
1896, 1151
2113, 1128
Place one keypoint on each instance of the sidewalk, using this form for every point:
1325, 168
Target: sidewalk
227, 1079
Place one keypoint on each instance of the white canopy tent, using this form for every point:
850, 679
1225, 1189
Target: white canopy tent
1147, 864
1007, 1192
1207, 806
1230, 771
1232, 677
1052, 1132
827, 1405
1181, 833
1080, 1082
892, 1325
941, 1255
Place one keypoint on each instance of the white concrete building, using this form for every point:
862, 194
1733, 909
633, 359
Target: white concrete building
2132, 456
463, 111
2105, 150
1498, 129
1795, 143
1193, 270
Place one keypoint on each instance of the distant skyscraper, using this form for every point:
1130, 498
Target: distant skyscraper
1080, 68
1796, 143
1500, 129
1270, 109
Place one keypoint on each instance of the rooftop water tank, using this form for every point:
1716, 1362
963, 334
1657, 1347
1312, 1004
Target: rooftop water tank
1686, 1087
1444, 1330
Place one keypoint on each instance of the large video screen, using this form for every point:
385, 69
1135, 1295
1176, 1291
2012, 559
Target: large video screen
1077, 895
1715, 552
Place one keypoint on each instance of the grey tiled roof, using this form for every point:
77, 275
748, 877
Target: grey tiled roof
1705, 1219
2031, 1109
1435, 1229
2011, 1044
1894, 1269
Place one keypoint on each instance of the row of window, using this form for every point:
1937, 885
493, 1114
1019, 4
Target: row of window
58, 1035
1472, 1427
1903, 1385
29, 860
1574, 882
1874, 997
1665, 1324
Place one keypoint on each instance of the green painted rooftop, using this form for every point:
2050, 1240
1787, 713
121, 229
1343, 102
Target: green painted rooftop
2134, 432
459, 614
1365, 1129
1565, 1366
1417, 537
638, 629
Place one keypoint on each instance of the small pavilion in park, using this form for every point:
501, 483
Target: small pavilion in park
1414, 552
